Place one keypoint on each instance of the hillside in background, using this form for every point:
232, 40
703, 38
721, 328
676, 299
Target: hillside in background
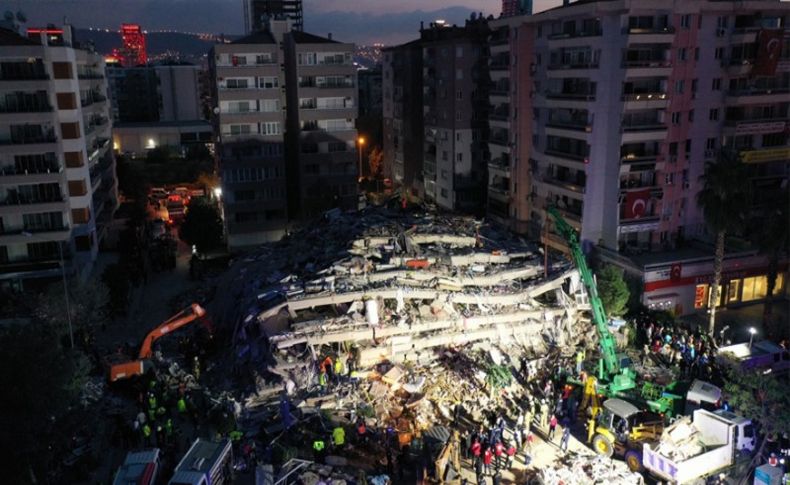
158, 43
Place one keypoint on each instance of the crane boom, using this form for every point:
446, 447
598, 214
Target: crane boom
621, 378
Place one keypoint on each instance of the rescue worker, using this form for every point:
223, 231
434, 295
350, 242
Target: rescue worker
544, 414
318, 450
322, 381
169, 431
339, 369
362, 435
580, 356
339, 437
196, 367
181, 405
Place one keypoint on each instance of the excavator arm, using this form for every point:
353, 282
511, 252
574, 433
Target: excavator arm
607, 343
137, 367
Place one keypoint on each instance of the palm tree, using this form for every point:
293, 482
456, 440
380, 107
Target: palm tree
771, 233
724, 198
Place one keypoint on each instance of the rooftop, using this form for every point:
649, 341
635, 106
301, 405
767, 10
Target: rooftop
306, 38
9, 37
258, 37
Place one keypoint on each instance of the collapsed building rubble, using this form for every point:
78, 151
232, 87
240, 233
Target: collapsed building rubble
423, 307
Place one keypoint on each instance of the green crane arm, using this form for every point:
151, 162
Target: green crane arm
608, 346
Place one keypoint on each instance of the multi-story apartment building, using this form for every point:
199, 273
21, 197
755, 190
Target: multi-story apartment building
257, 13
402, 111
619, 104
58, 189
287, 106
455, 102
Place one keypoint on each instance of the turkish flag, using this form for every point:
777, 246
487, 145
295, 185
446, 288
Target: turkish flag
636, 203
769, 47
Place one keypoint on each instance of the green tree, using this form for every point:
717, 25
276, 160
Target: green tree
202, 226
770, 231
42, 381
88, 301
762, 398
613, 290
724, 200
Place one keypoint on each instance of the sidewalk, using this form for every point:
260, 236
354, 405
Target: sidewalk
741, 319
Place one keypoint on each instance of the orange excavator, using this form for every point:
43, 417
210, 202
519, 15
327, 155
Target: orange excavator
126, 370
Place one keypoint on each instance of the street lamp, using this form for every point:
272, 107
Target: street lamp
217, 192
65, 284
752, 331
360, 144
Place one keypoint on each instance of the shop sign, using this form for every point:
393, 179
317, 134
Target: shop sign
730, 275
759, 128
699, 296
769, 155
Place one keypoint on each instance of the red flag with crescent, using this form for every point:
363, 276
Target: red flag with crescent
675, 272
636, 203
769, 48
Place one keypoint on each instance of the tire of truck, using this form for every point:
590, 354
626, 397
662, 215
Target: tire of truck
633, 459
603, 446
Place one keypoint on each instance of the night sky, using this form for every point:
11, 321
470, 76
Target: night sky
361, 21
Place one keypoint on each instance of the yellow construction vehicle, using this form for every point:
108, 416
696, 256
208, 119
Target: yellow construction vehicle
622, 429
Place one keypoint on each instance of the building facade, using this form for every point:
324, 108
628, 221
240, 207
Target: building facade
133, 52
619, 105
402, 116
58, 187
286, 104
170, 92
257, 13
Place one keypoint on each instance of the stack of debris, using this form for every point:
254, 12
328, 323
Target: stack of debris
587, 467
681, 440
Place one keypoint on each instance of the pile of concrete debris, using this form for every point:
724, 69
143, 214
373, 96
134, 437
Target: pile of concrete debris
586, 467
681, 440
419, 304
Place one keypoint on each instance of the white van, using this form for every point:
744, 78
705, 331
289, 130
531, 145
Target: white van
764, 355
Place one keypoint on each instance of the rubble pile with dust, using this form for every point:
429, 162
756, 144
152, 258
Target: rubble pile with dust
587, 467
681, 440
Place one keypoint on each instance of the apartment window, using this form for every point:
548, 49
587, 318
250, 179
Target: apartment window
66, 100
70, 131
270, 128
694, 86
459, 51
62, 70
263, 59
238, 107
238, 60
688, 146
684, 21
722, 22
679, 86
540, 31
459, 157
458, 136
718, 53
268, 82
669, 178
459, 94
774, 140
38, 251
716, 84
240, 129
444, 174
676, 118
306, 58
43, 221
337, 146
73, 159
459, 74
673, 148
713, 115
710, 144
309, 147
696, 53
236, 83
444, 193
538, 59
269, 105
682, 54
458, 116
535, 114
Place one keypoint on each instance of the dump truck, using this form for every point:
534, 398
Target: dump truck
709, 445
139, 468
206, 463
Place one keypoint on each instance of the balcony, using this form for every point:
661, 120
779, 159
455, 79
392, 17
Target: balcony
21, 200
648, 30
35, 107
574, 35
90, 75
499, 140
647, 221
757, 95
577, 157
645, 181
500, 164
499, 65
567, 183
640, 157
656, 96
575, 65
499, 192
48, 137
343, 85
575, 125
575, 96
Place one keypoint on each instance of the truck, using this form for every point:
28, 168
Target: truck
764, 356
139, 468
205, 463
715, 438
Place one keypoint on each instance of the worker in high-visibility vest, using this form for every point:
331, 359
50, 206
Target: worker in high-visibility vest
322, 381
181, 405
580, 356
319, 450
339, 436
147, 434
